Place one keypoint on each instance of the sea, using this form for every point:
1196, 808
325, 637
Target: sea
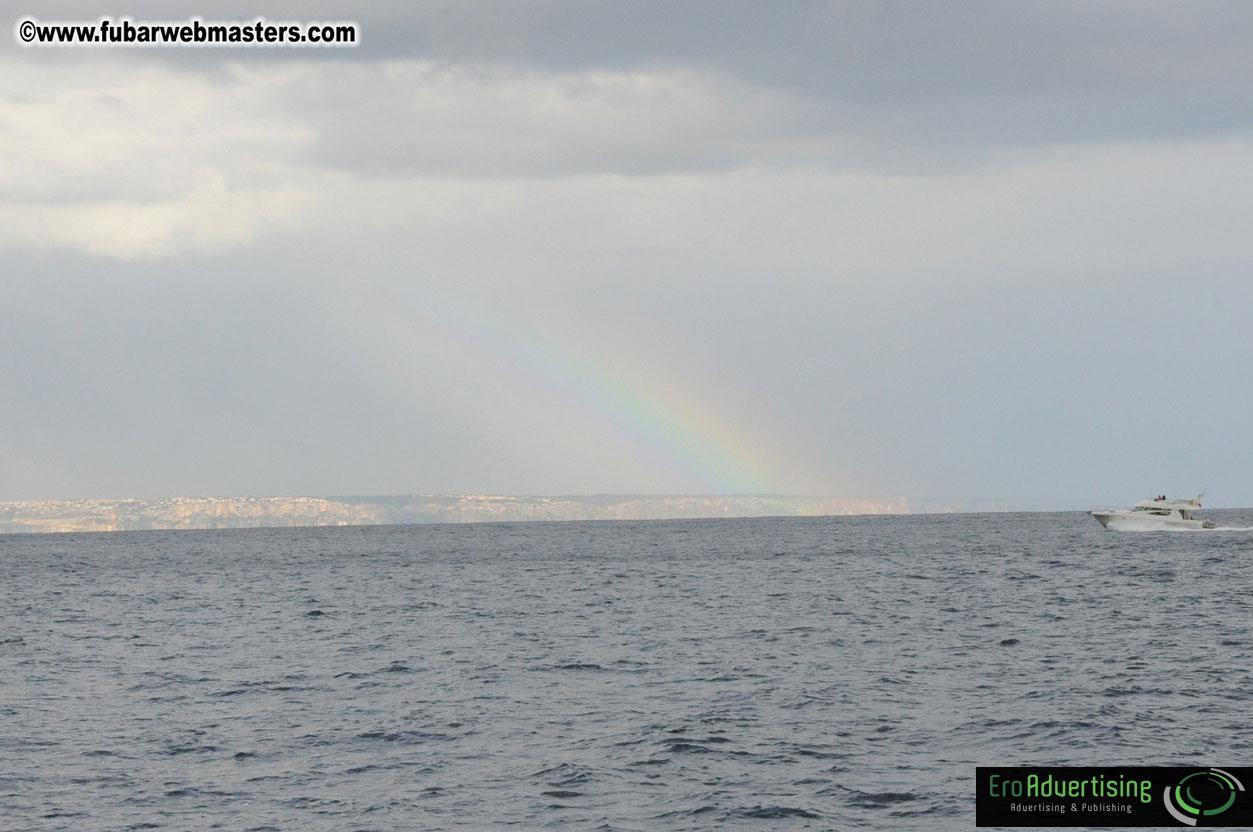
770, 673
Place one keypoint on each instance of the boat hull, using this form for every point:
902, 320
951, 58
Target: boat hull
1139, 521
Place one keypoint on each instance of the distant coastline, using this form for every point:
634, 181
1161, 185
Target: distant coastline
102, 515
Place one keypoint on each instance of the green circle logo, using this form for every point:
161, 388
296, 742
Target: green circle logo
1201, 795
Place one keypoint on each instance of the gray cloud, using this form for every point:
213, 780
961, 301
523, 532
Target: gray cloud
905, 85
975, 250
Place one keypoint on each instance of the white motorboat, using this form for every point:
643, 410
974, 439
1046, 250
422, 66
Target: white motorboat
1158, 513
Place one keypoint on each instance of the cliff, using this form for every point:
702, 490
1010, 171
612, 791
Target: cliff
253, 512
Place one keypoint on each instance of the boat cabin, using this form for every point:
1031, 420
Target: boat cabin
1167, 508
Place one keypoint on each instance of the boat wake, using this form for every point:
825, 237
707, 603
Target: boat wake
1114, 525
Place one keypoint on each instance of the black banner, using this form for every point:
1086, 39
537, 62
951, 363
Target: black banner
1114, 796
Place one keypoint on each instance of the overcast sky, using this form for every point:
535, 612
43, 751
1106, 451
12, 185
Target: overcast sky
959, 250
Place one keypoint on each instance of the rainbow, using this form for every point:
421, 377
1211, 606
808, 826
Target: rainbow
673, 436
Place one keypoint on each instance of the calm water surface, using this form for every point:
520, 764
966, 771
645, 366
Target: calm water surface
770, 673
